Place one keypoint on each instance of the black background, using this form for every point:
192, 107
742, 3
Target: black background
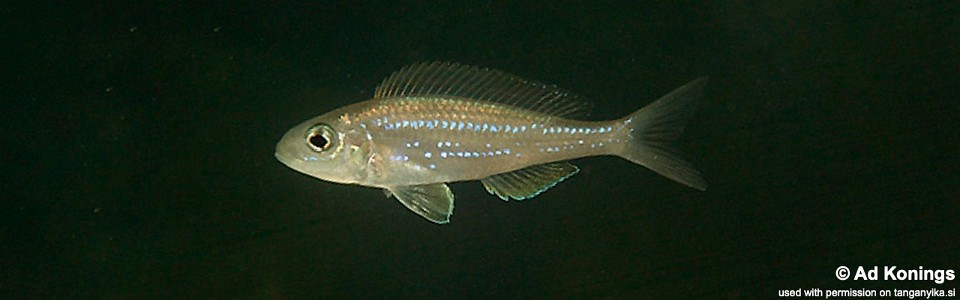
139, 150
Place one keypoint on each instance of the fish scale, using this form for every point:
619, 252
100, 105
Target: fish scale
470, 126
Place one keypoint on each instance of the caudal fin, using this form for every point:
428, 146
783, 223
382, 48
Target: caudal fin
655, 130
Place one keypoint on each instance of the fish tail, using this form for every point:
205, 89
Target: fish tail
654, 130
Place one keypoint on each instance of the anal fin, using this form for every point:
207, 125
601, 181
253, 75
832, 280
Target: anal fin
528, 182
431, 201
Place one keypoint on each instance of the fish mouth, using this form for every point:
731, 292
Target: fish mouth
285, 160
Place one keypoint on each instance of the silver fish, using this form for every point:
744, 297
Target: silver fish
433, 123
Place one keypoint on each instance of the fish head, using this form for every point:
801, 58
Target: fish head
327, 147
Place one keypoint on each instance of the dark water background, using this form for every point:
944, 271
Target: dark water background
139, 150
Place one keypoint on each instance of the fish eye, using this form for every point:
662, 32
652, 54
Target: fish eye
318, 141
320, 137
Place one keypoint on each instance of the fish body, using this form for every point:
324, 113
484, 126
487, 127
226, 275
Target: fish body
434, 123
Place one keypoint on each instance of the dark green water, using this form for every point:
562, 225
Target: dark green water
139, 151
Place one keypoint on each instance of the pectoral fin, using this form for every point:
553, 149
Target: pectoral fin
528, 182
431, 201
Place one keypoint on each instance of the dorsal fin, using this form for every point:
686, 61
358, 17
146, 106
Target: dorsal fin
481, 84
528, 182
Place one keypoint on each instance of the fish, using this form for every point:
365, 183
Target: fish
433, 123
